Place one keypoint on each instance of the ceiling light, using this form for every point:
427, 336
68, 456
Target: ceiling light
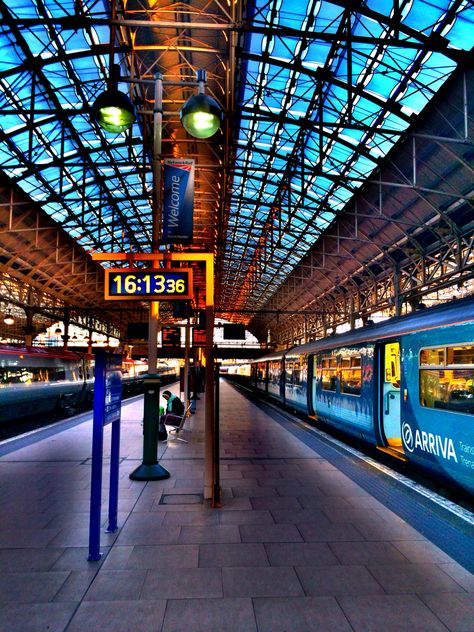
114, 111
201, 116
8, 319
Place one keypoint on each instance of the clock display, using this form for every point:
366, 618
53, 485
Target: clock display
155, 284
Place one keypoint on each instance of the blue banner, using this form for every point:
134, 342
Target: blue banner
178, 201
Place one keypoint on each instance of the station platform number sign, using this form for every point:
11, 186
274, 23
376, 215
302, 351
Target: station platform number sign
157, 284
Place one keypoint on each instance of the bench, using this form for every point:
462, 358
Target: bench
178, 426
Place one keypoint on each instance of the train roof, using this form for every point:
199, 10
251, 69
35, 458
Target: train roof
275, 355
43, 352
455, 312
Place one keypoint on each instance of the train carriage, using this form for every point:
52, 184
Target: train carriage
405, 385
58, 382
36, 381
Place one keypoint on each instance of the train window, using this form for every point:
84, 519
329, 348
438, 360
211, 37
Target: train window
274, 372
432, 357
449, 387
351, 375
460, 355
57, 374
392, 364
15, 376
260, 374
327, 373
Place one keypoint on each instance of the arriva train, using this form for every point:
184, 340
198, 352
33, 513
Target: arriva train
58, 382
405, 385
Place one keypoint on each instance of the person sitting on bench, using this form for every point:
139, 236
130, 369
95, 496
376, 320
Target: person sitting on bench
174, 410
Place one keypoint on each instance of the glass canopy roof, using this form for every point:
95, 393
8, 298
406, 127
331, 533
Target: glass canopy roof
327, 89
323, 91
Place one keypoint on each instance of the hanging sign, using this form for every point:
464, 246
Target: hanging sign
199, 337
171, 336
156, 284
178, 201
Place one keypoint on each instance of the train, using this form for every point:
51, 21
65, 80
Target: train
404, 385
58, 382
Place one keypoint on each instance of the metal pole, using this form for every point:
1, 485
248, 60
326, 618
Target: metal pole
209, 377
186, 361
150, 469
216, 492
156, 216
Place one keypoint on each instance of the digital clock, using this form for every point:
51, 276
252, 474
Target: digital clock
158, 284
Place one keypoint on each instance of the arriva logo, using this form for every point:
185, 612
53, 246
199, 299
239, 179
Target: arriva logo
428, 442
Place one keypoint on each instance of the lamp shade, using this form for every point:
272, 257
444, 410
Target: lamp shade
201, 116
8, 319
114, 111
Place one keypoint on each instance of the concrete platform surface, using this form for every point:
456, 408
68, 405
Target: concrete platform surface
296, 547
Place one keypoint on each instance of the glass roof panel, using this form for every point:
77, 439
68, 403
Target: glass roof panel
324, 94
340, 98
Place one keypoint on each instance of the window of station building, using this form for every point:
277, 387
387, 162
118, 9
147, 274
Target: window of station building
351, 375
327, 373
449, 386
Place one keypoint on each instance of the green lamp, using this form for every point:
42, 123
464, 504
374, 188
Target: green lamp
201, 116
114, 111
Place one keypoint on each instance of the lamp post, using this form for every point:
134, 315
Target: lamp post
150, 469
201, 116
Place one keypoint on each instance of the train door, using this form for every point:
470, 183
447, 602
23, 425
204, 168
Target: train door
390, 402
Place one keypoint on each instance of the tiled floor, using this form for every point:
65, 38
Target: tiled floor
297, 546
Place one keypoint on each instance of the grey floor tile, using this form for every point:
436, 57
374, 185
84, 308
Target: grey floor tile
270, 533
261, 582
367, 553
294, 516
420, 551
183, 583
300, 554
300, 614
164, 556
222, 555
383, 530
75, 586
253, 491
275, 502
30, 587
27, 537
204, 517
337, 580
119, 616
455, 611
28, 559
116, 585
36, 617
203, 535
414, 578
320, 501
209, 615
460, 575
255, 516
148, 534
389, 613
324, 532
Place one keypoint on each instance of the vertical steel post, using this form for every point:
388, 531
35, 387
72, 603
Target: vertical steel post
150, 469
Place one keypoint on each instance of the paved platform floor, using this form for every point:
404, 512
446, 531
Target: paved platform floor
297, 545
